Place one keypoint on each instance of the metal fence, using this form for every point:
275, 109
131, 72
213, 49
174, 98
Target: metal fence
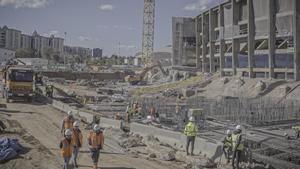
239, 110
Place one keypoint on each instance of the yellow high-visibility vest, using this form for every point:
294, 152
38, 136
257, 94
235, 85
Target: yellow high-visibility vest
228, 141
235, 138
191, 129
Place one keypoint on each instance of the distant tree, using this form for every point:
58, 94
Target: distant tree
48, 54
24, 53
56, 58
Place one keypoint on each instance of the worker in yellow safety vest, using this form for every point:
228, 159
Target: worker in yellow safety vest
96, 143
190, 131
66, 147
227, 145
67, 122
297, 131
238, 147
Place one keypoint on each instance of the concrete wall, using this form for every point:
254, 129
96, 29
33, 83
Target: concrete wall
213, 149
85, 75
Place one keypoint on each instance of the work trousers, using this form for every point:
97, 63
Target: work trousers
227, 150
66, 163
75, 154
190, 140
236, 159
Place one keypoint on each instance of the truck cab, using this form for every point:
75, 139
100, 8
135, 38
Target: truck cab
18, 83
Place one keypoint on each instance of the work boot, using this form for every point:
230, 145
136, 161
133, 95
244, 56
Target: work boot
187, 153
192, 154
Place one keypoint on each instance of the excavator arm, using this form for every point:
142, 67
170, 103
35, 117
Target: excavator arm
139, 77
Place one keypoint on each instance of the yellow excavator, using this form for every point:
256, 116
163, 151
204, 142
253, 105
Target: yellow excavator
137, 78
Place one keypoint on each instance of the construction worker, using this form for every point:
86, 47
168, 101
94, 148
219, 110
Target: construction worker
49, 90
152, 111
66, 147
190, 131
297, 131
96, 142
117, 116
77, 141
227, 145
67, 122
238, 147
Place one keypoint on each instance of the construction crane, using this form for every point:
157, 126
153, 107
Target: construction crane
148, 31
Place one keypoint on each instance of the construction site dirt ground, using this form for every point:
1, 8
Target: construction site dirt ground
37, 126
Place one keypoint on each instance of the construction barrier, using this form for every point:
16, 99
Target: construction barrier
212, 148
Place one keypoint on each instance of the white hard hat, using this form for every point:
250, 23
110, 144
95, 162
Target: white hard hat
76, 124
70, 113
192, 119
96, 127
68, 132
228, 132
238, 127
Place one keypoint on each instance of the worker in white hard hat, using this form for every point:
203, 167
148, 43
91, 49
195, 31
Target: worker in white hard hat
238, 146
66, 147
227, 145
67, 122
77, 141
190, 131
96, 143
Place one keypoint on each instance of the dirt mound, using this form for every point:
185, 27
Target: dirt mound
33, 154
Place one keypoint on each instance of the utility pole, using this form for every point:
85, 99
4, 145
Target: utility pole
65, 52
148, 31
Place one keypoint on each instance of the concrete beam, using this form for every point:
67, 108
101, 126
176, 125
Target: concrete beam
251, 34
272, 37
296, 32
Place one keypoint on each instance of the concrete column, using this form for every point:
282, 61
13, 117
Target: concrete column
235, 42
222, 57
272, 37
251, 39
296, 32
204, 44
198, 66
235, 51
211, 42
222, 41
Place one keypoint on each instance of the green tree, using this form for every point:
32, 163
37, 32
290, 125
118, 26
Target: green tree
24, 53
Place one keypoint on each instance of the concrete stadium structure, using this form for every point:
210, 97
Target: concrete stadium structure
251, 38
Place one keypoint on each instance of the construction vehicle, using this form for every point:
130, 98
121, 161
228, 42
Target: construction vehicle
18, 82
137, 78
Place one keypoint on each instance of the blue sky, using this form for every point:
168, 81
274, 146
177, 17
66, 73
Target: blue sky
97, 23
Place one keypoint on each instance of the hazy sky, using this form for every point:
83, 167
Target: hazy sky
97, 23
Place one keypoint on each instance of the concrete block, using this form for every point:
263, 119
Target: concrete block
209, 147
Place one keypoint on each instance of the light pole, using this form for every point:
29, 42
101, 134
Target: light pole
65, 52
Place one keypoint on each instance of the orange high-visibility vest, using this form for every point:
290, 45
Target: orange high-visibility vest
96, 140
68, 123
77, 138
67, 148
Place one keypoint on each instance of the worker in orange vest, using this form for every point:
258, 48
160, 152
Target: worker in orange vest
67, 122
77, 141
96, 142
66, 147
